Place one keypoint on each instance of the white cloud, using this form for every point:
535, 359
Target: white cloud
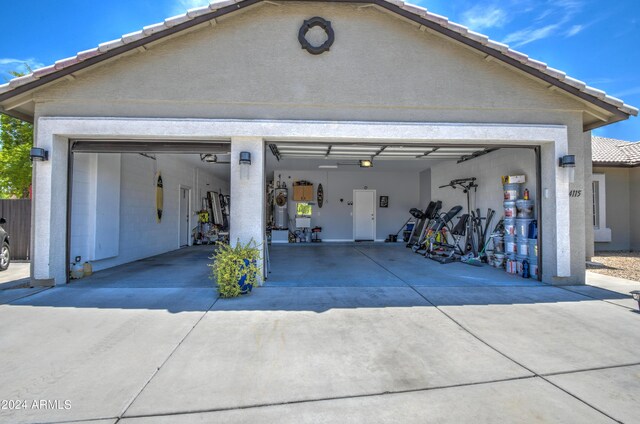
628, 92
529, 35
482, 17
550, 22
574, 30
8, 64
181, 6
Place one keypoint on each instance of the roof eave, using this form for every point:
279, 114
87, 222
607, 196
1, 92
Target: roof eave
18, 115
615, 164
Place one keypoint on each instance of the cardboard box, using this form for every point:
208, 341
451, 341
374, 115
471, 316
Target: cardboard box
514, 179
303, 193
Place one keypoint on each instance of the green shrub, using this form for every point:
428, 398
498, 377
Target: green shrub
228, 266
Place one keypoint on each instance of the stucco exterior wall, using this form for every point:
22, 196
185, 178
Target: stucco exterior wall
250, 66
634, 207
588, 195
618, 208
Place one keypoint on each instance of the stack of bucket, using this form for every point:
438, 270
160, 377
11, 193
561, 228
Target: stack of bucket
520, 231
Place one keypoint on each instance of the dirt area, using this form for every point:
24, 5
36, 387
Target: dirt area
617, 264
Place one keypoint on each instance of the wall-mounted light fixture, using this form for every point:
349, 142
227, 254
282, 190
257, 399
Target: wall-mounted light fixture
568, 162
366, 163
39, 154
245, 158
636, 297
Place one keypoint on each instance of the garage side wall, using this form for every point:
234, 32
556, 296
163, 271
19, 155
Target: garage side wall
487, 169
139, 234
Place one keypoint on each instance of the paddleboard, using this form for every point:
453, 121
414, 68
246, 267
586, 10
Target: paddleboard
159, 197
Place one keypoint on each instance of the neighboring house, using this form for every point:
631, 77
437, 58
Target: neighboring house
616, 194
300, 90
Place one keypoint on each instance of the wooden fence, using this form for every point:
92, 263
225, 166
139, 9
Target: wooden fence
17, 212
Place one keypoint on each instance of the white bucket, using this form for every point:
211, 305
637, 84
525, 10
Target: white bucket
522, 227
511, 191
512, 266
498, 244
510, 210
522, 246
510, 227
533, 270
510, 245
525, 208
498, 260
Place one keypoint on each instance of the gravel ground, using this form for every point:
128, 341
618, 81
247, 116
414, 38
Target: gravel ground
617, 264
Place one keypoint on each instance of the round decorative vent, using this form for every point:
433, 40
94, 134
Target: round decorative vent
313, 23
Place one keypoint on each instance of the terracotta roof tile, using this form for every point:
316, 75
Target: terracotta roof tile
615, 152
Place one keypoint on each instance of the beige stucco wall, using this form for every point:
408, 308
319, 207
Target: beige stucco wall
634, 207
588, 195
618, 208
251, 66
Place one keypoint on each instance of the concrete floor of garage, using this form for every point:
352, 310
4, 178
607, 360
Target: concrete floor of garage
390, 343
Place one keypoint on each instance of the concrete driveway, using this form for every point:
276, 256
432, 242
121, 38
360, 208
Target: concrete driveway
16, 275
397, 348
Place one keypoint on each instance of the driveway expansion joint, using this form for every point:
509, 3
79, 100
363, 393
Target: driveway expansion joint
326, 399
535, 374
157, 370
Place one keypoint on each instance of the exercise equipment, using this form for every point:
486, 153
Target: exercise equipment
423, 219
446, 251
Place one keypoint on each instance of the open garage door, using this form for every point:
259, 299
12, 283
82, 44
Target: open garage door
344, 212
143, 212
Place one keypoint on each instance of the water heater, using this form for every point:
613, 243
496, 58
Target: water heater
280, 208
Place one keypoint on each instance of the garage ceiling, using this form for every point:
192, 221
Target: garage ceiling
304, 150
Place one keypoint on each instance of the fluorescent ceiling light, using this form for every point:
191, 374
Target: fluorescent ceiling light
385, 153
466, 149
408, 149
301, 152
328, 166
359, 148
301, 147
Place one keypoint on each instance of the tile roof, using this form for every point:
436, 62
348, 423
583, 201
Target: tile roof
502, 51
609, 151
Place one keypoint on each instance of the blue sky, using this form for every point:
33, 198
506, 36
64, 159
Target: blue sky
595, 41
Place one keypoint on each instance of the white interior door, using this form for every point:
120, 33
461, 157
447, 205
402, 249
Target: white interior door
184, 216
364, 214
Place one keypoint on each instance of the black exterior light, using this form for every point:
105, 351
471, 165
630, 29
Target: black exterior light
636, 297
567, 161
39, 154
245, 158
366, 163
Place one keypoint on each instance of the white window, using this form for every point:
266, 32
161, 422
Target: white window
599, 205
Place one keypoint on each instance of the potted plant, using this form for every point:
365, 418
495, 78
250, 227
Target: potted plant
235, 269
